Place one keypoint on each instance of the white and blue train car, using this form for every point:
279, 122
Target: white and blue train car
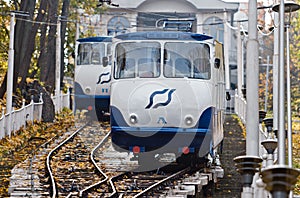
167, 93
93, 74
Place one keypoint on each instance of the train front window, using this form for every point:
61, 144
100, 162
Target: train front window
137, 59
90, 53
191, 60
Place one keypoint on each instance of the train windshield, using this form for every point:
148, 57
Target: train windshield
90, 53
180, 59
190, 60
137, 59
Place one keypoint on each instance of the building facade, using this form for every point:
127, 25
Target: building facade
211, 17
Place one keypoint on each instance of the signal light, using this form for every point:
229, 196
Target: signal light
185, 150
90, 108
136, 149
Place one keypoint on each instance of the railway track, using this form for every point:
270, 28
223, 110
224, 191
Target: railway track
146, 184
84, 164
75, 171
69, 164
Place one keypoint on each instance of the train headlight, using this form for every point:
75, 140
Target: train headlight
87, 90
188, 120
133, 119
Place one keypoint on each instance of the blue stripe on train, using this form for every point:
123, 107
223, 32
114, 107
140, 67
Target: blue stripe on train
117, 120
159, 129
93, 96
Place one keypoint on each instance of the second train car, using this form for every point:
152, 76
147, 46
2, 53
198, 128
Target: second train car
167, 94
93, 75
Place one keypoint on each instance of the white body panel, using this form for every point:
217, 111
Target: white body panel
90, 77
189, 98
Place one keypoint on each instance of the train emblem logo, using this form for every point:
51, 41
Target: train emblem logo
104, 78
167, 92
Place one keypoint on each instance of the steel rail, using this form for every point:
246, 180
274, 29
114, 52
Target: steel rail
114, 193
96, 165
54, 190
160, 182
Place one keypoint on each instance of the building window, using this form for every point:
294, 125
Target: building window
214, 27
117, 24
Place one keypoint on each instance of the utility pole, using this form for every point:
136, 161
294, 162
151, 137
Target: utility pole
252, 122
275, 73
248, 165
239, 60
267, 84
10, 72
226, 54
58, 57
281, 99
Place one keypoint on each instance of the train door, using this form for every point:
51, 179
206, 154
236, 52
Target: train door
220, 93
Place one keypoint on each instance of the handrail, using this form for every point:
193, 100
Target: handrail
240, 107
11, 122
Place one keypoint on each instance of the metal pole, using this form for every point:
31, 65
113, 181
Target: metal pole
275, 73
267, 84
77, 31
288, 93
288, 87
57, 58
281, 96
226, 54
252, 122
10, 70
239, 60
243, 70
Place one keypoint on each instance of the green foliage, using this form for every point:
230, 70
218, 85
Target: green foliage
89, 7
294, 68
4, 35
295, 64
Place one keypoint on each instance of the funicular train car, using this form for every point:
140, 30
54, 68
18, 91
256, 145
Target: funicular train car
93, 74
167, 94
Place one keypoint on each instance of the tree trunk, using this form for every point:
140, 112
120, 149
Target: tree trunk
23, 40
43, 53
31, 43
64, 14
3, 86
48, 66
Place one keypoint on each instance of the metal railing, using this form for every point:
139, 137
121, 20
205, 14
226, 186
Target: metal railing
240, 106
11, 122
61, 101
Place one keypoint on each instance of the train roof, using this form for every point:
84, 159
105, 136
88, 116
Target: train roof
163, 36
95, 39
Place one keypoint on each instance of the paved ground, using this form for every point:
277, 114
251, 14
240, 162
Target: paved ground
233, 146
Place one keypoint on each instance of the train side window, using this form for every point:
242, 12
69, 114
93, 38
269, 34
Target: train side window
182, 67
146, 68
84, 54
108, 52
84, 58
127, 68
168, 68
202, 68
95, 58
